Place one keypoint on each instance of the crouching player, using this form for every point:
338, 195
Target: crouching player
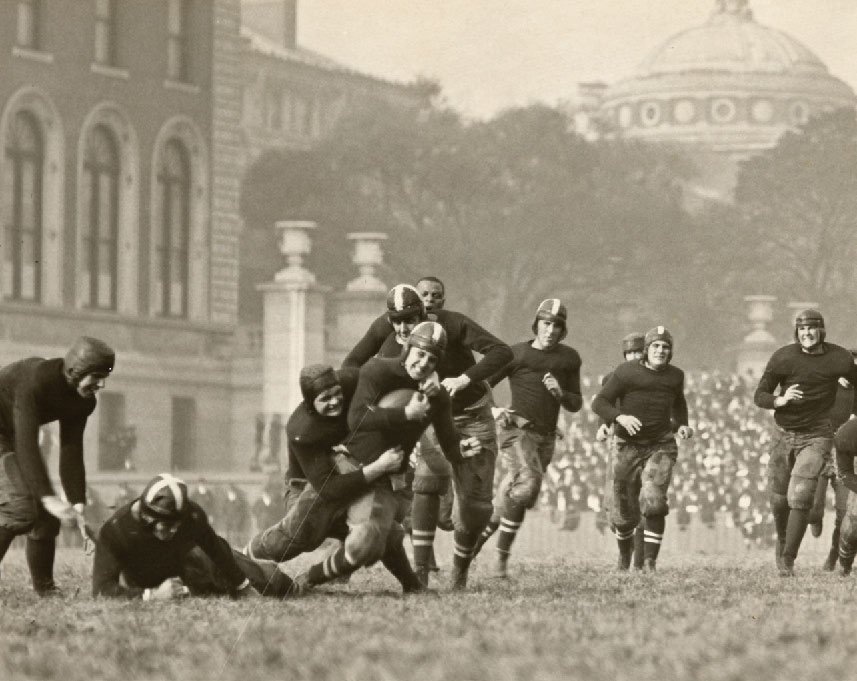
317, 428
544, 375
649, 393
410, 387
161, 546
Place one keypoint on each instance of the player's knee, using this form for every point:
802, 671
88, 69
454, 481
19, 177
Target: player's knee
653, 501
525, 491
473, 514
431, 484
365, 544
801, 493
44, 527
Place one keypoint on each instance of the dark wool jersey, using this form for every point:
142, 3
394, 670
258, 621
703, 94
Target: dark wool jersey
311, 438
375, 429
33, 392
530, 398
464, 337
126, 547
816, 375
653, 396
845, 443
843, 406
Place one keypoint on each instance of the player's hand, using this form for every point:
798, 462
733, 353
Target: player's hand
430, 387
80, 520
248, 593
631, 424
552, 385
470, 446
792, 394
168, 590
844, 382
453, 385
418, 408
684, 432
58, 508
602, 433
390, 461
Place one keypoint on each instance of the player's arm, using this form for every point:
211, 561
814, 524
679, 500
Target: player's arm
495, 353
71, 466
505, 372
320, 469
368, 346
572, 398
107, 570
765, 396
216, 548
444, 426
604, 404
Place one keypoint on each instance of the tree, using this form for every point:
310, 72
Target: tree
799, 202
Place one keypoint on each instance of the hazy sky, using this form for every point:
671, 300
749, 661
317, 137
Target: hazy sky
490, 54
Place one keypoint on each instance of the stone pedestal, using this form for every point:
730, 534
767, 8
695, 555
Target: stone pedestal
363, 299
760, 343
293, 331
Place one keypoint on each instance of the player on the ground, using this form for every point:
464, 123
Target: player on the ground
466, 381
632, 350
807, 373
33, 392
650, 394
544, 375
316, 432
376, 427
161, 546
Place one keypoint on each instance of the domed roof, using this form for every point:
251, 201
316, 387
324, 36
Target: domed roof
731, 40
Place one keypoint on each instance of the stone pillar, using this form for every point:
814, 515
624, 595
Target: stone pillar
363, 299
292, 330
760, 343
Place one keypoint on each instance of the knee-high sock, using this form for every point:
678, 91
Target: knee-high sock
625, 540
465, 544
510, 523
781, 521
335, 565
396, 561
424, 512
489, 530
798, 520
653, 535
40, 560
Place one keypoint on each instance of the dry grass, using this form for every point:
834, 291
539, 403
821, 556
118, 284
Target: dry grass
698, 618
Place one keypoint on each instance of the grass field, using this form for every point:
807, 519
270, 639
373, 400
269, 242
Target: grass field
699, 617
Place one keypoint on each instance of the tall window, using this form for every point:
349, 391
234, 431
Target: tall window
183, 445
99, 229
28, 23
173, 234
177, 40
105, 32
22, 198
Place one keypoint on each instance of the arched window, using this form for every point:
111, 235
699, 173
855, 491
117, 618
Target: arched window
172, 235
22, 196
100, 224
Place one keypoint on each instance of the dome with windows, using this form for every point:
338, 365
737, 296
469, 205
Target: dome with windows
729, 85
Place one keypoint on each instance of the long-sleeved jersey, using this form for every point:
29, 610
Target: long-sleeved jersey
816, 375
845, 444
126, 548
33, 392
530, 398
464, 337
375, 429
654, 396
311, 438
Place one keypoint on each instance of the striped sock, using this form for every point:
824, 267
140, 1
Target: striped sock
625, 540
424, 511
335, 565
653, 535
463, 551
508, 531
